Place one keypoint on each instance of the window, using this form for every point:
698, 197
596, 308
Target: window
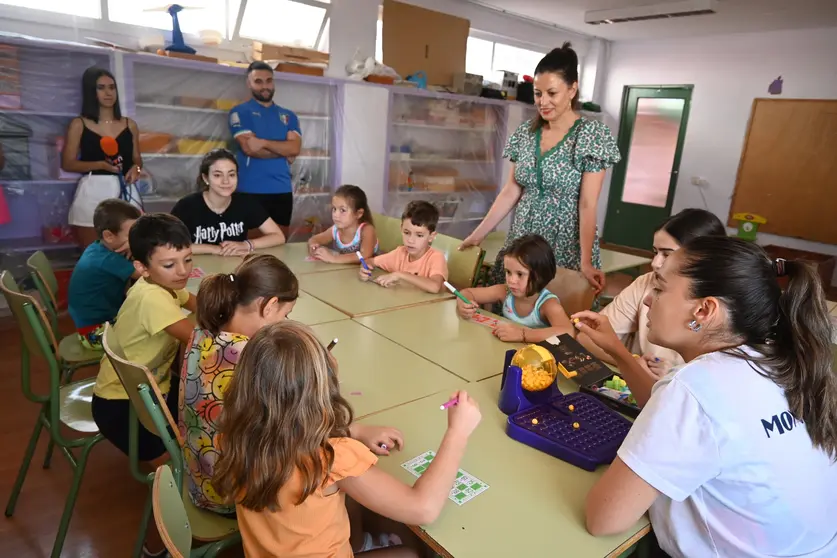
478, 57
283, 22
199, 15
82, 8
513, 59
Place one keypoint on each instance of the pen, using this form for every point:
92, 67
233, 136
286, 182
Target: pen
450, 403
332, 344
362, 261
456, 293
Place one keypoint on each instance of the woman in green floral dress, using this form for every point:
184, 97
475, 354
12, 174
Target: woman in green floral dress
559, 161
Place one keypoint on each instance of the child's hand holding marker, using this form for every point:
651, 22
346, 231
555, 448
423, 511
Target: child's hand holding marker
656, 365
463, 414
465, 309
365, 272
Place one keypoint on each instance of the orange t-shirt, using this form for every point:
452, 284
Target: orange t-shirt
431, 263
319, 527
629, 317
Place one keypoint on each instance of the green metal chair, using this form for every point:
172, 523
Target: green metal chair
388, 230
61, 404
172, 518
72, 354
464, 266
148, 408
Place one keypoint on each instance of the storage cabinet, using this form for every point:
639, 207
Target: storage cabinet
182, 109
40, 92
445, 149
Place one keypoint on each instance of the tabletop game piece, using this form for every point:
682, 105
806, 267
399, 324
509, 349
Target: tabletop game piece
571, 408
534, 421
576, 425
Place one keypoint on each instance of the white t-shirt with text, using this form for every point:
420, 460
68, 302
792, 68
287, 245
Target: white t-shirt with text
738, 475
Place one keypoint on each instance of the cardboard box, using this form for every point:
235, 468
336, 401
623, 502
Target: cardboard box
265, 51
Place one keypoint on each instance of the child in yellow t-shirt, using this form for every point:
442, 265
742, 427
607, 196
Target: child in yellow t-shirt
290, 453
149, 326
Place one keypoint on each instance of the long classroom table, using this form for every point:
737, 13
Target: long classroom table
534, 505
344, 291
294, 255
435, 332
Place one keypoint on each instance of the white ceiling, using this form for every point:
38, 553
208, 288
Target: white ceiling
733, 16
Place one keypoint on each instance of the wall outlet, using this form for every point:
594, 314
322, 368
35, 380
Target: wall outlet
700, 182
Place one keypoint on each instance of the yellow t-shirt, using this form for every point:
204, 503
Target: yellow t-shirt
140, 328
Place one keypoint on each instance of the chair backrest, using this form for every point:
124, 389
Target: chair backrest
388, 230
573, 290
462, 266
45, 281
33, 323
132, 377
170, 514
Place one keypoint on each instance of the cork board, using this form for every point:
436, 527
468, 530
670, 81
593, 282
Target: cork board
416, 39
788, 169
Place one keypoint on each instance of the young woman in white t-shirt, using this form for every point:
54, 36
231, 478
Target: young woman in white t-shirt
734, 453
629, 316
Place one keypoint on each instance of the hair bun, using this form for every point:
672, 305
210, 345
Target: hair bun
567, 45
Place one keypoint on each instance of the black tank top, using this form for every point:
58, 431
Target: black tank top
90, 149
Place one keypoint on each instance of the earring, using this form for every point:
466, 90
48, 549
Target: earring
694, 326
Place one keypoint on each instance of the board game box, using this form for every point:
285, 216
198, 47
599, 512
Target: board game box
591, 374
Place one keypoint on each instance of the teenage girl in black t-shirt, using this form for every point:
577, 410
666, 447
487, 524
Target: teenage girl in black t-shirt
218, 218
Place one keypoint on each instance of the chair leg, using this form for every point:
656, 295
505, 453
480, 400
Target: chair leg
24, 467
78, 475
143, 529
48, 456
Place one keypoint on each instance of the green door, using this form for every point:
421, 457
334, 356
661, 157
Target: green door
651, 132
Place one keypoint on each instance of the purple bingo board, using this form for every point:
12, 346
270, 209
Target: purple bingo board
587, 436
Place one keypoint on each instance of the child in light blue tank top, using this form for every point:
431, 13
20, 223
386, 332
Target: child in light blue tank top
353, 219
534, 314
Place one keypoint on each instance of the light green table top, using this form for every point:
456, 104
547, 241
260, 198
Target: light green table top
435, 332
618, 261
345, 292
211, 264
535, 503
377, 374
294, 255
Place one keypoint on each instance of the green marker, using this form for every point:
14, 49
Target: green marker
456, 293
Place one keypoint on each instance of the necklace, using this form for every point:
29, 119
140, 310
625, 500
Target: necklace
216, 210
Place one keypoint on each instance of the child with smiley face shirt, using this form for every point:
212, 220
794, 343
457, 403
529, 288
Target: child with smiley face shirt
415, 262
218, 218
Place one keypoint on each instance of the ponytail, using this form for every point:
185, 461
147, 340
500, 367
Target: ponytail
799, 354
218, 298
261, 276
790, 330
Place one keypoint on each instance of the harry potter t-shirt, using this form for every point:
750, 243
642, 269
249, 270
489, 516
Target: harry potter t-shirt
208, 227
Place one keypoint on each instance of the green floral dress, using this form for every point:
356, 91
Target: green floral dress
551, 186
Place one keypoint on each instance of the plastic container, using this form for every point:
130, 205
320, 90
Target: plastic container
538, 366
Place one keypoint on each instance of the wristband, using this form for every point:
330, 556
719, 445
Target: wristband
249, 244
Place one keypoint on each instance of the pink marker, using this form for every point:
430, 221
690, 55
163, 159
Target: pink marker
450, 403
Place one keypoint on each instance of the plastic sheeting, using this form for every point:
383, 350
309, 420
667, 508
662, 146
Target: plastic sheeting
40, 92
182, 111
447, 151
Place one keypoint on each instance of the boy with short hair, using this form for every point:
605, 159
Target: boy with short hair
97, 285
149, 326
415, 262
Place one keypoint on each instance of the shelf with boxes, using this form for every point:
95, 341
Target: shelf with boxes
40, 92
445, 149
182, 108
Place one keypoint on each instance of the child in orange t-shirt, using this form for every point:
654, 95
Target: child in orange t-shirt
415, 262
290, 489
